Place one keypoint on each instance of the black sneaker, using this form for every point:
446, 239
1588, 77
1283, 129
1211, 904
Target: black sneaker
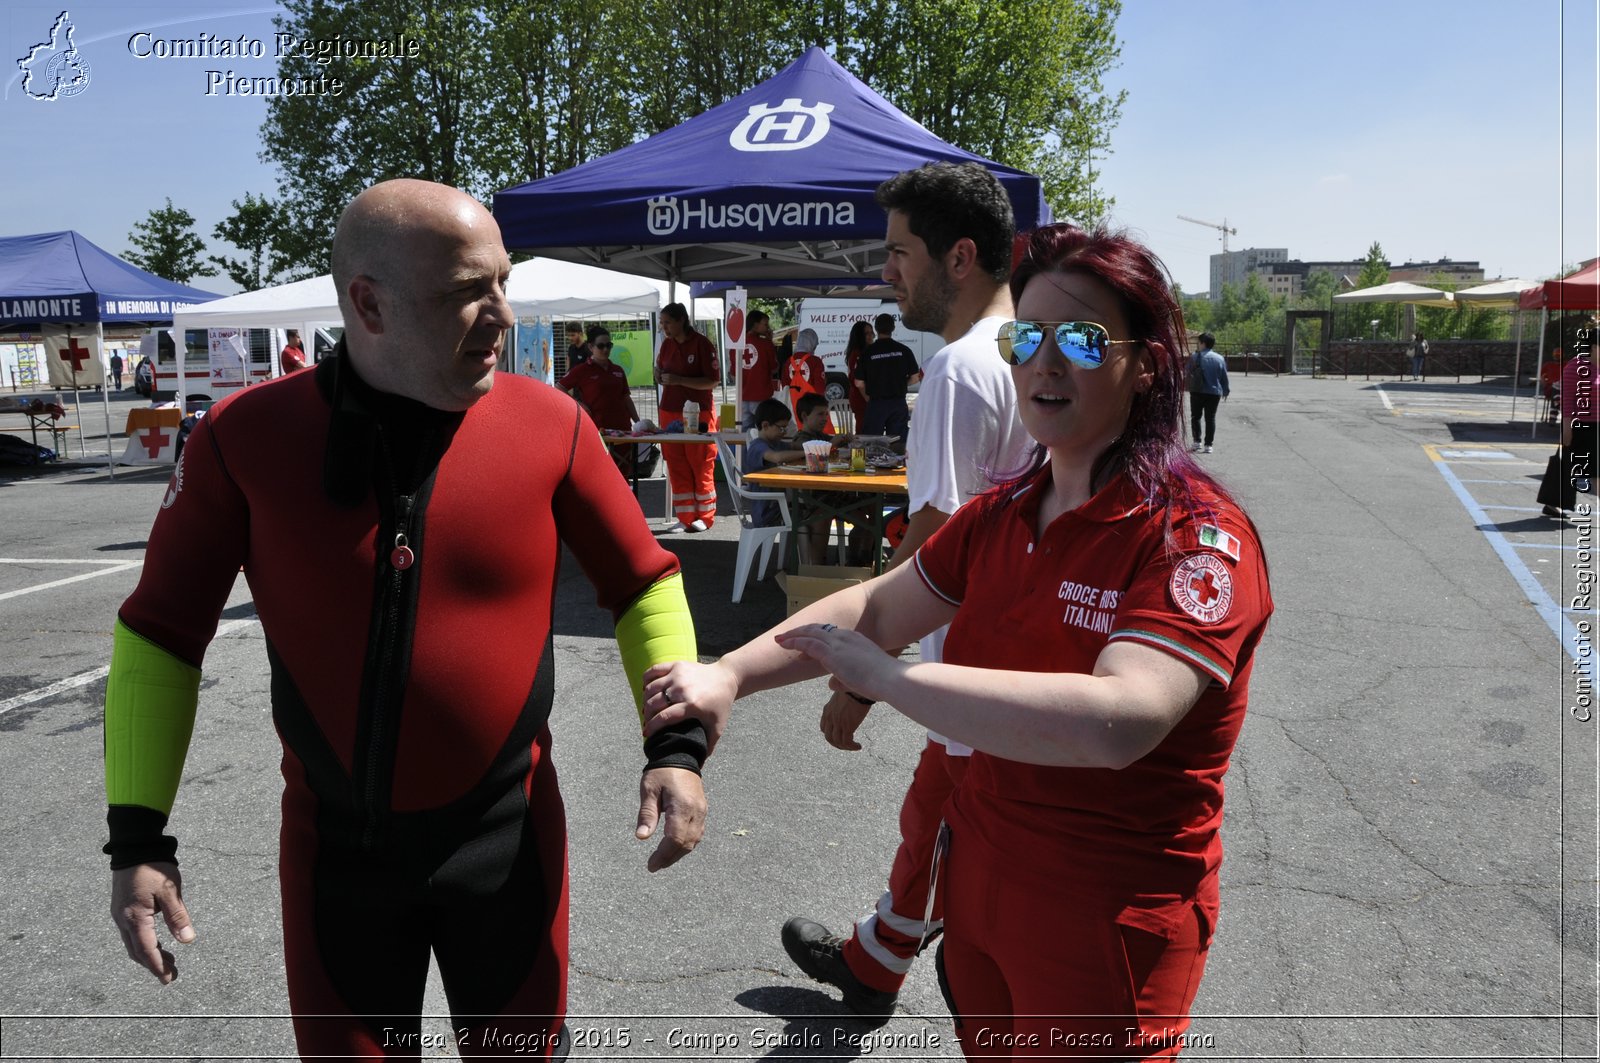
820, 954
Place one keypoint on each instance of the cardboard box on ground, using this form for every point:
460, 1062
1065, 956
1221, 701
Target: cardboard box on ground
814, 582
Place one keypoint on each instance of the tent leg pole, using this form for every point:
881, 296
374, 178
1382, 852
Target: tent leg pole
105, 392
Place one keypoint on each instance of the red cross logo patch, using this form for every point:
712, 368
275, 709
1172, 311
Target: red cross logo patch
1202, 587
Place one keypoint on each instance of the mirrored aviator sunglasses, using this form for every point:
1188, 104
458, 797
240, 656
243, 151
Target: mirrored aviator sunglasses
1083, 343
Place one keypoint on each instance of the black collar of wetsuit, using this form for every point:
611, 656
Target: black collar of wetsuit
366, 423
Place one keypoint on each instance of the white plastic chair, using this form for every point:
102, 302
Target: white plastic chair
753, 538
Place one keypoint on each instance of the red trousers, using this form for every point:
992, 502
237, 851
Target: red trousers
692, 477
884, 944
1033, 973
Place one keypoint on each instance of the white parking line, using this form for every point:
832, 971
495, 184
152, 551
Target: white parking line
1577, 643
111, 568
58, 561
93, 675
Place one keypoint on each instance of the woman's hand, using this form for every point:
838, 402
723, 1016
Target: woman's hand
676, 691
855, 661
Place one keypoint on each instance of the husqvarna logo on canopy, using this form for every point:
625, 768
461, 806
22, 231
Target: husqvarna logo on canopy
662, 216
788, 126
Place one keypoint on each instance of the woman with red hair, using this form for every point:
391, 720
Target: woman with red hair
860, 339
1104, 603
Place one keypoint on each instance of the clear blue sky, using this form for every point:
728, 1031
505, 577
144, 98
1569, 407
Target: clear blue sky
1436, 129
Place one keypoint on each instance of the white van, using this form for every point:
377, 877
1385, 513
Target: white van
202, 378
832, 319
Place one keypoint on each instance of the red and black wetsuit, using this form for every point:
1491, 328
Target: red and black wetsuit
421, 810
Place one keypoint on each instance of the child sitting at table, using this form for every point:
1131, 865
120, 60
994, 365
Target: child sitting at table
767, 449
813, 414
814, 426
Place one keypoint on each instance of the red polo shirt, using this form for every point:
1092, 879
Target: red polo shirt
1139, 839
693, 357
602, 388
758, 370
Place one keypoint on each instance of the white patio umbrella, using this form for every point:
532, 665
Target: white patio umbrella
1399, 292
1506, 294
1413, 295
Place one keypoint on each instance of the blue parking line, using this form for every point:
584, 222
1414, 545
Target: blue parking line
1553, 614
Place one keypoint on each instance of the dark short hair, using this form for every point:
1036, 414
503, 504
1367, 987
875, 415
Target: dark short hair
808, 402
756, 317
884, 323
771, 411
676, 311
596, 331
1207, 339
944, 202
574, 326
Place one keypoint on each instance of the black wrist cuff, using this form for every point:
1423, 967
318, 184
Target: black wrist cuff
683, 745
137, 838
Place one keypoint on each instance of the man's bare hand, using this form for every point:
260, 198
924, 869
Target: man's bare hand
137, 893
675, 795
840, 718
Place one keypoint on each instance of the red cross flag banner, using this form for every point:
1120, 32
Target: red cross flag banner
151, 445
73, 358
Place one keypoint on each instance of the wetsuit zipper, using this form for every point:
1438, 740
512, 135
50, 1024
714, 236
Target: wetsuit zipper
389, 657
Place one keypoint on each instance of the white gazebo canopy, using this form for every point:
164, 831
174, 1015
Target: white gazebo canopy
1398, 292
1506, 293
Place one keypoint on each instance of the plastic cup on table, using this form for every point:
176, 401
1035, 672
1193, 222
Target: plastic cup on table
817, 451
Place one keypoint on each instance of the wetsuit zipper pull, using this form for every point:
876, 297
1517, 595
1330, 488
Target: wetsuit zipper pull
402, 556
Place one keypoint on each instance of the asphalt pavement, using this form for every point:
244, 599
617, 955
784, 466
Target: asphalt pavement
1410, 830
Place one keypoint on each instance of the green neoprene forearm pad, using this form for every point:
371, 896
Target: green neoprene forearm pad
656, 628
151, 698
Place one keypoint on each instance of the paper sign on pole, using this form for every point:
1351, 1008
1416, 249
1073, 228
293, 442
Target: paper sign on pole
228, 356
733, 328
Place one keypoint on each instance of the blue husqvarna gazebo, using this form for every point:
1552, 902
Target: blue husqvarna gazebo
775, 184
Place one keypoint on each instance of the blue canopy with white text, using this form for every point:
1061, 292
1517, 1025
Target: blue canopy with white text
775, 183
62, 277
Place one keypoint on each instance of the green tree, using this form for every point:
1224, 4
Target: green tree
256, 227
1375, 271
168, 245
1317, 291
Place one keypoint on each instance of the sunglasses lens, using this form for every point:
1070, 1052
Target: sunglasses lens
1019, 341
1083, 343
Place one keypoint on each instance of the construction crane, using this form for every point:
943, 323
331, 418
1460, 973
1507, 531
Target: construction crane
1226, 232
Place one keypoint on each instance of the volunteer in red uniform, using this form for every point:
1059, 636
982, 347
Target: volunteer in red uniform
410, 648
758, 367
854, 348
1104, 610
686, 369
601, 385
806, 374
